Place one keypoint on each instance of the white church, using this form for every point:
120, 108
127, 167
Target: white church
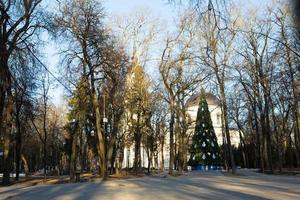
192, 109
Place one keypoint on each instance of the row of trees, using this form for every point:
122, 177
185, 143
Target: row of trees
23, 97
254, 64
113, 103
268, 85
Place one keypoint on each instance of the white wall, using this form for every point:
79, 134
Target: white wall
215, 110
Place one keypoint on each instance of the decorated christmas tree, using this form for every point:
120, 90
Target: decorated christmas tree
205, 149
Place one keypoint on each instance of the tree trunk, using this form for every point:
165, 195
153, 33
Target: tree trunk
262, 146
149, 155
224, 105
243, 145
6, 140
18, 142
137, 151
45, 159
171, 161
25, 163
156, 159
45, 131
290, 151
5, 111
278, 146
73, 153
259, 142
111, 152
162, 161
268, 133
4, 81
185, 161
180, 153
81, 149
101, 139
113, 159
296, 119
120, 156
176, 149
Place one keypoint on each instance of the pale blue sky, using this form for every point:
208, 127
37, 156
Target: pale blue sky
159, 8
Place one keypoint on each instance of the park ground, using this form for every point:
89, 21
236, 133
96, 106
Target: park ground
193, 185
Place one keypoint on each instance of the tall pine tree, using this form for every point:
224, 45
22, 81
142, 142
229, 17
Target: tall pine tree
205, 149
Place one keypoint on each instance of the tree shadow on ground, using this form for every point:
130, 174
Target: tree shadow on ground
189, 187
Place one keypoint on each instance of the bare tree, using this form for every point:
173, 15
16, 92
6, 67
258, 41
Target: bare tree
290, 59
19, 21
40, 124
218, 56
80, 23
178, 70
24, 88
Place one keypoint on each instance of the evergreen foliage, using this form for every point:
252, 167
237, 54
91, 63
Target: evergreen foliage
205, 149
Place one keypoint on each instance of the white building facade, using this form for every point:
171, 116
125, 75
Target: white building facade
192, 109
215, 114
